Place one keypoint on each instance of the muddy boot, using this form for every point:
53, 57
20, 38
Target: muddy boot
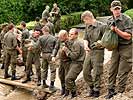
91, 92
26, 80
38, 82
96, 94
6, 75
2, 67
31, 72
74, 94
13, 77
66, 93
63, 90
44, 84
111, 93
52, 87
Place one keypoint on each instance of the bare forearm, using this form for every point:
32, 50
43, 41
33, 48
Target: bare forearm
122, 34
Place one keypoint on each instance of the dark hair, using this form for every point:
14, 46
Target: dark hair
38, 29
23, 23
37, 19
10, 26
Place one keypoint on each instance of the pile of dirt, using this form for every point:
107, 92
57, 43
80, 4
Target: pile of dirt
82, 89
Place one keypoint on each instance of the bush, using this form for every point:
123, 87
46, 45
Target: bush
66, 21
129, 13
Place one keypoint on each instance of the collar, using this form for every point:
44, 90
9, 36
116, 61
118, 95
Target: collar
119, 18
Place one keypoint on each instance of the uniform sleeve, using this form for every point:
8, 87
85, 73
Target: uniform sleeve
74, 52
14, 41
86, 34
129, 26
56, 48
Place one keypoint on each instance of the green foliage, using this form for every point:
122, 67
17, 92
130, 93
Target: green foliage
69, 20
18, 10
66, 21
129, 13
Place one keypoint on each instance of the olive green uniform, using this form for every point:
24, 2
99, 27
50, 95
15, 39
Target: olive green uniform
45, 14
47, 44
57, 18
2, 44
64, 61
10, 43
77, 54
95, 57
33, 56
25, 35
121, 60
51, 27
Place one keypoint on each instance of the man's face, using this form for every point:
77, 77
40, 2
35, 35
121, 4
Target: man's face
116, 11
87, 20
72, 35
62, 37
55, 5
36, 33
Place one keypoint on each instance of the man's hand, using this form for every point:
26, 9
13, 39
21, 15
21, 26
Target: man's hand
64, 48
30, 48
53, 59
86, 48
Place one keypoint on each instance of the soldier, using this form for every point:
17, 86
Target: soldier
47, 43
77, 54
11, 48
3, 32
37, 23
121, 60
94, 56
33, 56
25, 35
51, 26
64, 60
57, 17
45, 13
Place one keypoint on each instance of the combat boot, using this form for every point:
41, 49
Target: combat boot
44, 84
13, 77
73, 94
63, 90
2, 67
26, 80
66, 93
91, 92
52, 87
6, 75
38, 82
111, 93
96, 94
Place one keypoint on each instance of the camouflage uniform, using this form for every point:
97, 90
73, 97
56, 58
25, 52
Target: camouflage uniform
47, 44
77, 54
10, 43
94, 59
57, 18
121, 60
25, 35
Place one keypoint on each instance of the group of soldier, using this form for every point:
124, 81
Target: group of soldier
74, 55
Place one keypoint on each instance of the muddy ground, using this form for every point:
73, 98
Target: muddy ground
82, 89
